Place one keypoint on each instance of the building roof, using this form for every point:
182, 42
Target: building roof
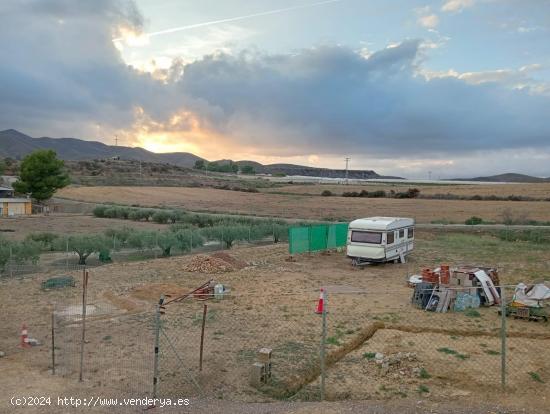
381, 223
14, 200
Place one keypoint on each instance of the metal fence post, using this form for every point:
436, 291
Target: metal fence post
503, 338
323, 344
53, 340
157, 340
83, 339
66, 252
205, 309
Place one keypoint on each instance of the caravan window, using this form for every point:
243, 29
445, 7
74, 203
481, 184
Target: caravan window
401, 233
366, 237
410, 233
390, 238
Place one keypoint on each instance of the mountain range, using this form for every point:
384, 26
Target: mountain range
14, 144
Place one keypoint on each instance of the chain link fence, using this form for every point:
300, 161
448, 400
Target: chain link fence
362, 345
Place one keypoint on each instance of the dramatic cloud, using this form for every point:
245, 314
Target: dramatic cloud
66, 77
374, 105
456, 5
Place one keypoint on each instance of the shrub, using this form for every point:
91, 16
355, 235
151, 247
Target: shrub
227, 234
44, 239
143, 239
85, 245
326, 193
473, 221
377, 194
99, 211
176, 215
188, 239
19, 251
166, 240
161, 217
119, 235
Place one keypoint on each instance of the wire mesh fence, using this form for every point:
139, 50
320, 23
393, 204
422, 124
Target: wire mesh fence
250, 346
69, 257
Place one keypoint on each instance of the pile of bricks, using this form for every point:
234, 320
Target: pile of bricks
208, 264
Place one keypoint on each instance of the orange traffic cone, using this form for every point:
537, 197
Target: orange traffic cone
321, 303
24, 337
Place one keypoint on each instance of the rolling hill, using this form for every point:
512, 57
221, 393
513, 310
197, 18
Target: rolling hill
507, 178
15, 144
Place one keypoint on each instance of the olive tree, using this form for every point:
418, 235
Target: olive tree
85, 245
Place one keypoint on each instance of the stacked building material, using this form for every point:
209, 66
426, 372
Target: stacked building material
443, 289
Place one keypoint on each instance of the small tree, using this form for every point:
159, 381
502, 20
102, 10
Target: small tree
161, 217
45, 239
166, 240
85, 245
200, 165
41, 175
227, 234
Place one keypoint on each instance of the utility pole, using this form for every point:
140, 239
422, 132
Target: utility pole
429, 175
347, 165
116, 140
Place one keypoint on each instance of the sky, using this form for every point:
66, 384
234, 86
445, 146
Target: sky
442, 88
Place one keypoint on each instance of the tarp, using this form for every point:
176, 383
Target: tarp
531, 295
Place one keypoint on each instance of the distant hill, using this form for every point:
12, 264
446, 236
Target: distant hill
507, 178
302, 170
15, 144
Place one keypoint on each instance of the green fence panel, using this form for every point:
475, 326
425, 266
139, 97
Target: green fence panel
331, 236
341, 234
318, 238
298, 240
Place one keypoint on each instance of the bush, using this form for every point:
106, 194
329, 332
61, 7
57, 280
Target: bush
176, 215
326, 193
119, 235
84, 245
227, 234
161, 217
377, 194
19, 251
166, 240
44, 239
143, 240
99, 211
473, 221
188, 239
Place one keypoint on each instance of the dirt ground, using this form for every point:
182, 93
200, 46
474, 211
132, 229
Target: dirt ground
19, 227
271, 304
306, 206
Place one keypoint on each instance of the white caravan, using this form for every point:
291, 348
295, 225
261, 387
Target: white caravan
380, 239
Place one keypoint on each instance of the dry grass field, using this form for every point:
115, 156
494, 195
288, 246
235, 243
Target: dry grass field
18, 227
271, 304
305, 206
541, 190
